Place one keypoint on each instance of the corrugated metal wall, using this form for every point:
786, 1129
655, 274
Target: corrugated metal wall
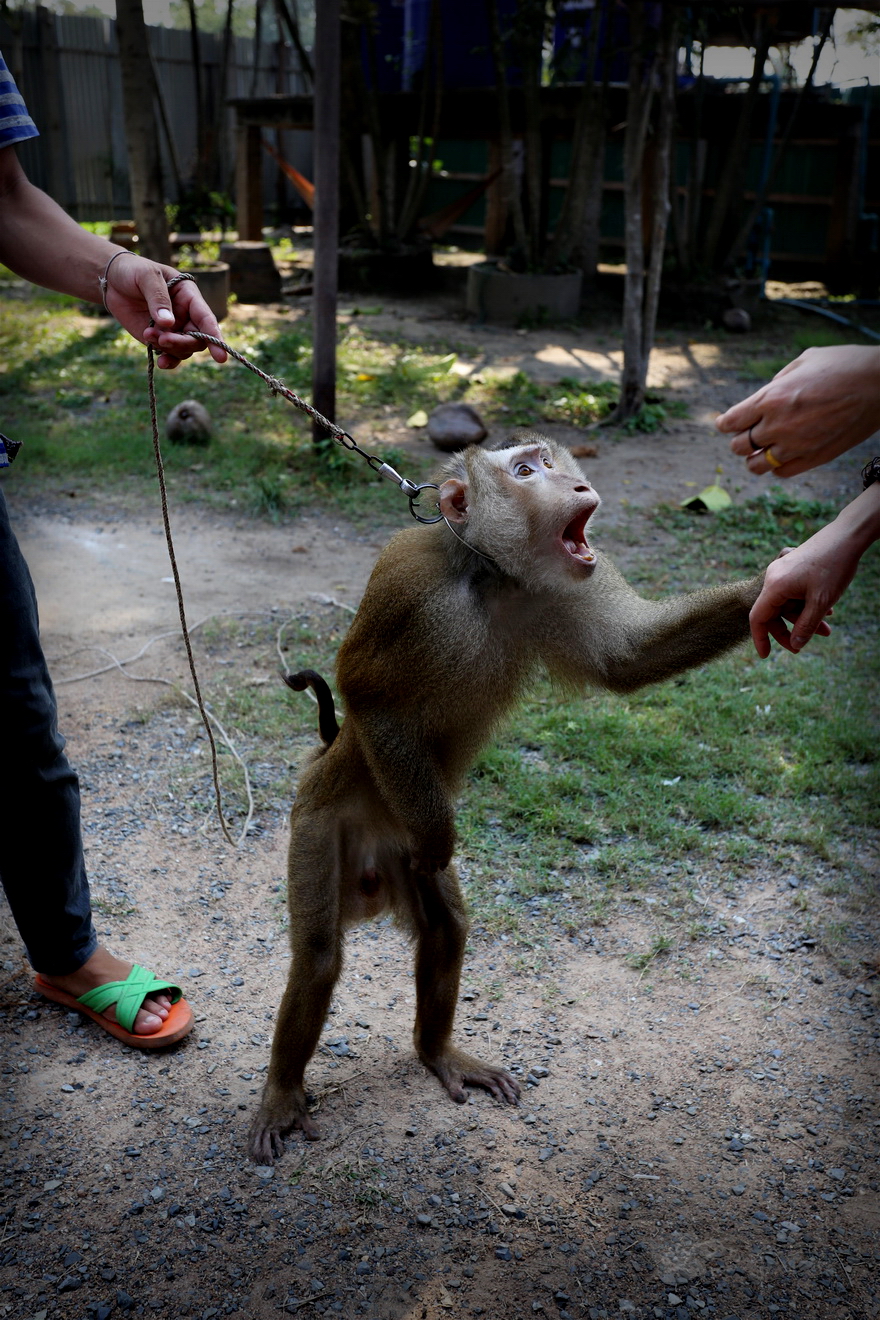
68, 72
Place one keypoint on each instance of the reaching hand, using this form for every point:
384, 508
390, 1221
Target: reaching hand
817, 407
803, 585
138, 294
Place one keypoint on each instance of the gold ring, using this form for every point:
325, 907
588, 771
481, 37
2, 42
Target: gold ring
771, 459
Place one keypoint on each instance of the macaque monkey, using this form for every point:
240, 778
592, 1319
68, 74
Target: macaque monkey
456, 619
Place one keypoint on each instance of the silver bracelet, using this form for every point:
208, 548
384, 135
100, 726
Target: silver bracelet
102, 279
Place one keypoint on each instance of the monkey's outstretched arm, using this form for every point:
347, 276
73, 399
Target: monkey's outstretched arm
655, 639
623, 642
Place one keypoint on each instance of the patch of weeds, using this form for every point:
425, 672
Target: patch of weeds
740, 761
659, 945
653, 414
571, 401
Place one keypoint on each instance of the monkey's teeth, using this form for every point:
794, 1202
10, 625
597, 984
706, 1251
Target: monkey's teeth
579, 550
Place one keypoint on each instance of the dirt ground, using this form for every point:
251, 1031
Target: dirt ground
689, 1143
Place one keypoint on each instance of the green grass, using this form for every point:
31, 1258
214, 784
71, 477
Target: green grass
577, 404
73, 389
75, 392
765, 368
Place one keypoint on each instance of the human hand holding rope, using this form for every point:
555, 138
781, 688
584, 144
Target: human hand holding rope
160, 306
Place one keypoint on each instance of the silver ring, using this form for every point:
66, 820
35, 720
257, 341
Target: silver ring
755, 448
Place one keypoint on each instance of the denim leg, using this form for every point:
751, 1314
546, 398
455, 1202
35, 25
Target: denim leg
41, 856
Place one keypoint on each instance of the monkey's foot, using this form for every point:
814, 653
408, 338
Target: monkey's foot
280, 1112
456, 1070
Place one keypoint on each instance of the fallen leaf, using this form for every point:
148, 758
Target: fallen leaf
710, 500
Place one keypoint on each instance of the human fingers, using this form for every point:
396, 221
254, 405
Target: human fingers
792, 611
189, 302
189, 312
808, 622
778, 463
742, 415
152, 285
766, 617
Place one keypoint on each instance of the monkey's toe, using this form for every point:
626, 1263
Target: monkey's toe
266, 1141
265, 1146
456, 1070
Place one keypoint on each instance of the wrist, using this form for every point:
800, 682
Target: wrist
104, 277
860, 520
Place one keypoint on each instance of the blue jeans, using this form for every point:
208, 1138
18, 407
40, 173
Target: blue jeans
41, 854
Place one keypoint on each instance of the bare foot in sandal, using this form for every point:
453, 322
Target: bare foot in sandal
98, 970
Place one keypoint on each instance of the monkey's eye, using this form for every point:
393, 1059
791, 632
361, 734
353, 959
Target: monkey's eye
523, 470
546, 461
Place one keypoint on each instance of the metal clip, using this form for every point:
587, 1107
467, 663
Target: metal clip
414, 500
387, 471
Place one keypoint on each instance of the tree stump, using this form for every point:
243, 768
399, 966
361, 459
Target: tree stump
253, 275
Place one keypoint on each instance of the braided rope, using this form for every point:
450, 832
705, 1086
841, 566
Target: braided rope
160, 469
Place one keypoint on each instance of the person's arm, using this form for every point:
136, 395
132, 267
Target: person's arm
804, 584
817, 407
40, 242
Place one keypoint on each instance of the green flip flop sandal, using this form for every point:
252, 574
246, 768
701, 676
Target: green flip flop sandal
128, 996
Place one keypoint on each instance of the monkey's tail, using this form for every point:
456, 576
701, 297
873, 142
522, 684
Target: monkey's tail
328, 726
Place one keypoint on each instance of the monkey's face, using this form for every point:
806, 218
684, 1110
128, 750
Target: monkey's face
527, 508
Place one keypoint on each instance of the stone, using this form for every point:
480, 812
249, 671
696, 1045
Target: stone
737, 320
454, 426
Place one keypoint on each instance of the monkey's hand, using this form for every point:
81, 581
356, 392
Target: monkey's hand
456, 1070
279, 1113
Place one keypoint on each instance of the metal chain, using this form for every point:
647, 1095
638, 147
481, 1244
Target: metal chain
409, 488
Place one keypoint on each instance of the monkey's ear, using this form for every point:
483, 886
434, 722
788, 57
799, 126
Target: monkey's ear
453, 500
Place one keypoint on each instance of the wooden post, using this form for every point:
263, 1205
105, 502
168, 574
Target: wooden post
248, 182
326, 213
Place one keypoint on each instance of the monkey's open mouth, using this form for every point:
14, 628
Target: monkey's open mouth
575, 541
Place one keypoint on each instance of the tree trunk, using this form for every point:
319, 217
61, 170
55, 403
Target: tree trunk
667, 55
196, 52
142, 142
512, 198
531, 45
326, 215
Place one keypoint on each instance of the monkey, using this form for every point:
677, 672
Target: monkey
456, 618
189, 424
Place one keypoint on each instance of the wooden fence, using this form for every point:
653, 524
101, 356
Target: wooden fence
67, 69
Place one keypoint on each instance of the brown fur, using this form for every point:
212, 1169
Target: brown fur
454, 622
